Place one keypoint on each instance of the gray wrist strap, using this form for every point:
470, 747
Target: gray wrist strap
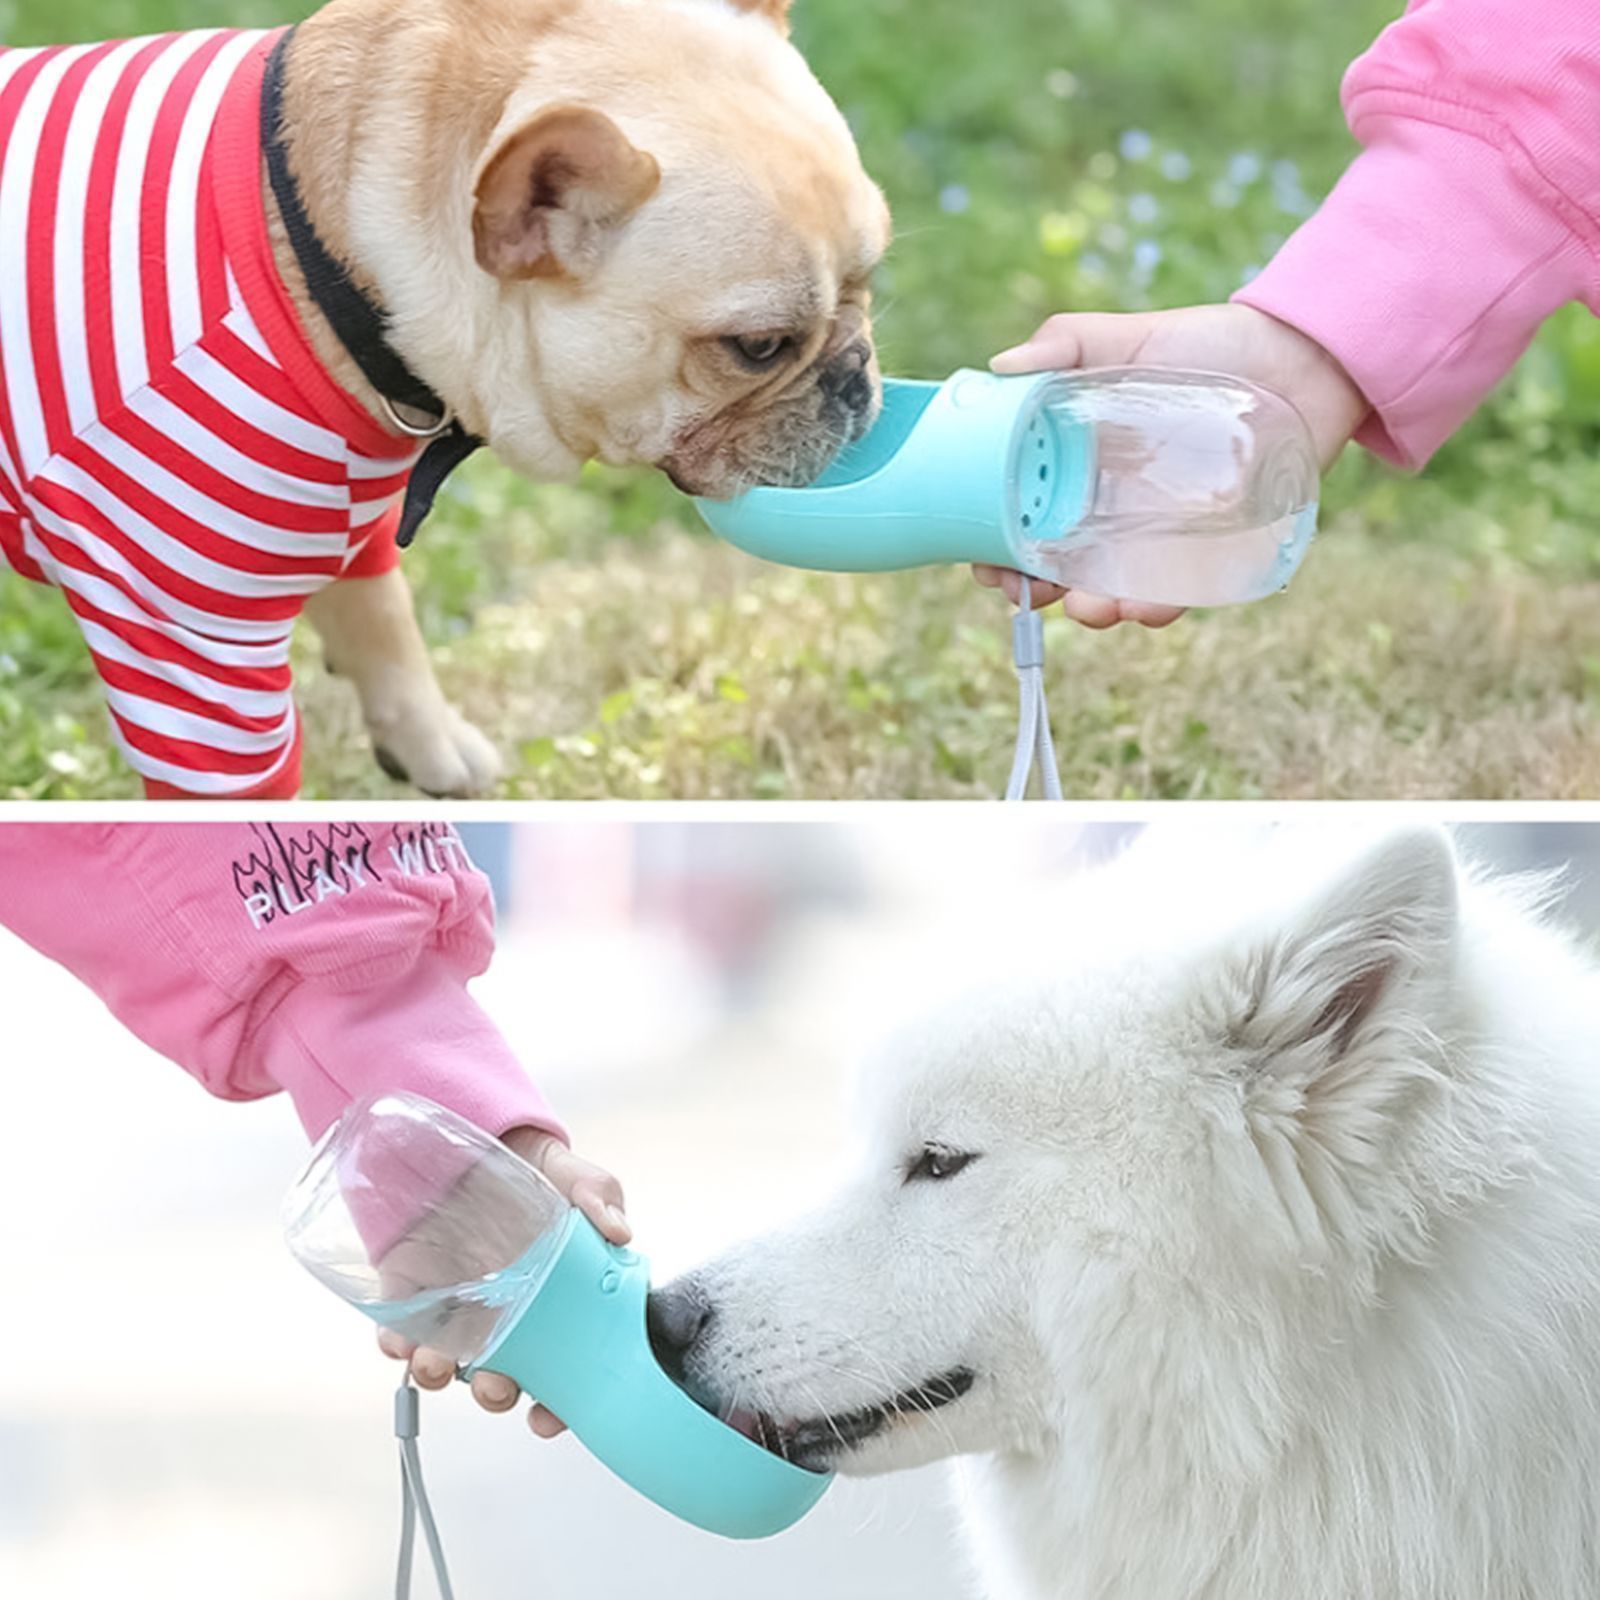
414, 1501
1033, 714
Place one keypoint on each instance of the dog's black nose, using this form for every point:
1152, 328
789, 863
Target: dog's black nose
847, 380
675, 1317
856, 392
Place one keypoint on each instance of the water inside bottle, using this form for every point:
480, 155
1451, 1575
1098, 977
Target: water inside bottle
1183, 566
464, 1319
1186, 489
425, 1223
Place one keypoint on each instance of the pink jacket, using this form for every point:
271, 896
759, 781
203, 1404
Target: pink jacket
327, 959
1472, 213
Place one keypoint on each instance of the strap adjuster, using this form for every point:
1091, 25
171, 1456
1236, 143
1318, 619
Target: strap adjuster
1027, 639
1034, 744
414, 1502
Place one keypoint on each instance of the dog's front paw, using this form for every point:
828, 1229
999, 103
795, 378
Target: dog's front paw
439, 751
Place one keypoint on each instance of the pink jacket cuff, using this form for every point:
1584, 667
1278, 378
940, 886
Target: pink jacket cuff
1425, 274
422, 1032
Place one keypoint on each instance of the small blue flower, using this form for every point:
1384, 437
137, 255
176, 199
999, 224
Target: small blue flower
955, 198
1287, 193
1251, 271
1135, 145
1092, 264
1224, 195
1146, 256
1143, 208
1244, 169
1176, 166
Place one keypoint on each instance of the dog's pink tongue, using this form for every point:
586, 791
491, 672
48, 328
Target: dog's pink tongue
746, 1422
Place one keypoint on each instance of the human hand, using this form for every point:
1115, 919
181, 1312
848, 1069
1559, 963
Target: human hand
1235, 339
598, 1195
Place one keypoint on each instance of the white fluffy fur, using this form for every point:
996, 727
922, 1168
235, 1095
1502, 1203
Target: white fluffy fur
1279, 1266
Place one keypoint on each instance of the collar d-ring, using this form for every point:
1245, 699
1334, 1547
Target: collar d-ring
412, 429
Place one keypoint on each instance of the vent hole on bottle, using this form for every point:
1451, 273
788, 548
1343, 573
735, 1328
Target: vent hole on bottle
1027, 521
1044, 472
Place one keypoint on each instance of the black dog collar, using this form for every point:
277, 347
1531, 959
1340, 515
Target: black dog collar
359, 325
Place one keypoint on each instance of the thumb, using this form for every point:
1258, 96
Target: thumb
1077, 339
599, 1197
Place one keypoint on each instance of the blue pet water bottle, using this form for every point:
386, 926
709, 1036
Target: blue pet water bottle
1141, 483
432, 1228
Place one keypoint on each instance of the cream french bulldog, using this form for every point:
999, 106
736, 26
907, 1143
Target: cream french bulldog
633, 231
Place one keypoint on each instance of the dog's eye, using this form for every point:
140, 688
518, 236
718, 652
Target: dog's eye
759, 350
938, 1161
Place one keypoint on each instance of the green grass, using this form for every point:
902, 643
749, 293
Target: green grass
1039, 155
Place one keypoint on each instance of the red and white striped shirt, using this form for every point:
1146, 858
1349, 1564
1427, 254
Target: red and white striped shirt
173, 455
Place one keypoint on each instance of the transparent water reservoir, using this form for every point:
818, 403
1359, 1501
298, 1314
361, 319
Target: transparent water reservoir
425, 1223
1185, 488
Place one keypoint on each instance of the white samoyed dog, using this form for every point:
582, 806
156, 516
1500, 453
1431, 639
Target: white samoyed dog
1242, 1237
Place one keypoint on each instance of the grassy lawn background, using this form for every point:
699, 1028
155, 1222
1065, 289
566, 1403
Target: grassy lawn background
1039, 155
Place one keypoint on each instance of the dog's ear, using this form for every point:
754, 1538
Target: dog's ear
1327, 975
1332, 1018
548, 198
775, 11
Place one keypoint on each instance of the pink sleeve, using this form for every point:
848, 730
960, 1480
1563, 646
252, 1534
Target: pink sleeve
325, 959
1471, 215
